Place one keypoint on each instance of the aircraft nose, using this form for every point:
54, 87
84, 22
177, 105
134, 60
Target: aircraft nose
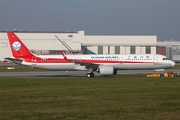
173, 63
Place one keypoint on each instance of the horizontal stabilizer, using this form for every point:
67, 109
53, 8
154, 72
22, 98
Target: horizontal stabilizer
14, 60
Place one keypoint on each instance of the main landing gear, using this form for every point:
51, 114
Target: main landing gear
90, 73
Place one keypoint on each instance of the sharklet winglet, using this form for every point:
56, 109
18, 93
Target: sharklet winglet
64, 56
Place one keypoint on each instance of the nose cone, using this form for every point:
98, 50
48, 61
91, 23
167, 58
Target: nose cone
173, 63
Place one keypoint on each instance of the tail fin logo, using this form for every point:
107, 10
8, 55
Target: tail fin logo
16, 46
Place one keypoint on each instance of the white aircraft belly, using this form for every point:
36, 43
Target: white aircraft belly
50, 66
141, 66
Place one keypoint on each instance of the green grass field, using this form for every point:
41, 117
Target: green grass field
88, 99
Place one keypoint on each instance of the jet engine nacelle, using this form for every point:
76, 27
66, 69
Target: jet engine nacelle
107, 70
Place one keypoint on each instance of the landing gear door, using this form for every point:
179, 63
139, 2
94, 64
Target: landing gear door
155, 59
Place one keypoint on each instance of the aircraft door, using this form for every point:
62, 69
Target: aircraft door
155, 59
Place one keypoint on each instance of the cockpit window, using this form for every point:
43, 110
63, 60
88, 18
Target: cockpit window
166, 59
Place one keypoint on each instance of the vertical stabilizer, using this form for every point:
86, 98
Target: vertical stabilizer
18, 49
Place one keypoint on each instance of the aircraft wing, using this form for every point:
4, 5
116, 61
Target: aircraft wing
87, 64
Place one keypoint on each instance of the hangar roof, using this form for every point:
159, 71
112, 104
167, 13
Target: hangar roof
18, 31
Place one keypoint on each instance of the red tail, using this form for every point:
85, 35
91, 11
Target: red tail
18, 49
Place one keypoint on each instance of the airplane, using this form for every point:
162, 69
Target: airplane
103, 64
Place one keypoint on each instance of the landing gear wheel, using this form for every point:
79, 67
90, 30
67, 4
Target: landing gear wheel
88, 75
161, 75
92, 74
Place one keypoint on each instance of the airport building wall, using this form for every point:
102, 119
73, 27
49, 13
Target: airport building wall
46, 43
172, 49
4, 47
125, 44
122, 50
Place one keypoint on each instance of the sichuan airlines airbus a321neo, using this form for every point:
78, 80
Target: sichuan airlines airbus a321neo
103, 64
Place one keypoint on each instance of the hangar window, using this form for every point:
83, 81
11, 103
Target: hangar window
132, 49
70, 35
148, 50
117, 49
108, 49
100, 49
54, 52
84, 49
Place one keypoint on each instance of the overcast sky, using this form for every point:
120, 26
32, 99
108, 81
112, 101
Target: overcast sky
95, 17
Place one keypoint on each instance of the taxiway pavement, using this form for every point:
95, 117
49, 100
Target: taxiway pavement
69, 73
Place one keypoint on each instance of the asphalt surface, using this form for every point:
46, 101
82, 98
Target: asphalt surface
69, 73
